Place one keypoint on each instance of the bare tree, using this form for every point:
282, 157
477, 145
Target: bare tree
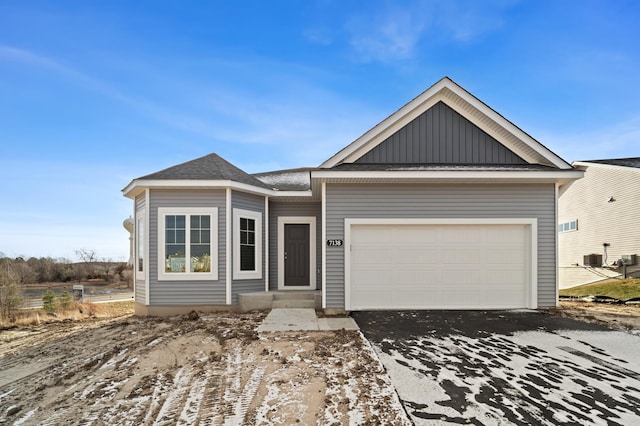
10, 291
89, 259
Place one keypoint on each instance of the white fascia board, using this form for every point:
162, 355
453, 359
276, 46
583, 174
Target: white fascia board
451, 175
606, 166
509, 126
385, 124
137, 186
422, 103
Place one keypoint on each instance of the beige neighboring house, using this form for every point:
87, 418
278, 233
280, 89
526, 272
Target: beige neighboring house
599, 215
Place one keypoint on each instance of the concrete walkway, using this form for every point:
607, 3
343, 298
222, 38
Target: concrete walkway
303, 319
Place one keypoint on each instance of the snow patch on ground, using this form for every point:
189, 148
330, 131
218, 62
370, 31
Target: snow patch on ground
582, 377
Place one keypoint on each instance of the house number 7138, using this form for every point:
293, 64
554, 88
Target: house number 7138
334, 243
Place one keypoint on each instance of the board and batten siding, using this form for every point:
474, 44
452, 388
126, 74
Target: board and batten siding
442, 201
279, 209
182, 293
440, 136
139, 288
599, 221
255, 203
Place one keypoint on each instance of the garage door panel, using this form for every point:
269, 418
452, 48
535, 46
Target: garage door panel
371, 299
371, 278
459, 256
371, 256
505, 256
506, 233
439, 266
415, 235
381, 235
412, 256
461, 234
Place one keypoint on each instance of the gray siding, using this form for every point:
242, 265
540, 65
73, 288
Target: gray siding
240, 200
180, 293
277, 209
140, 202
440, 136
449, 201
139, 288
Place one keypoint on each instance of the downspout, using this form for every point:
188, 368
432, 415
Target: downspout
228, 247
266, 244
555, 227
323, 197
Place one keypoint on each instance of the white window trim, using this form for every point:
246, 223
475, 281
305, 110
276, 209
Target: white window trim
141, 216
568, 230
531, 223
256, 274
311, 221
188, 276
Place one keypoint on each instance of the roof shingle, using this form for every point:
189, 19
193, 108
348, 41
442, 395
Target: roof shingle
626, 162
209, 167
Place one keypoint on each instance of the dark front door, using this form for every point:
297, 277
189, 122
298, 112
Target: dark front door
296, 254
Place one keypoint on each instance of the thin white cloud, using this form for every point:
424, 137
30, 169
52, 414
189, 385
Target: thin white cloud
395, 31
387, 35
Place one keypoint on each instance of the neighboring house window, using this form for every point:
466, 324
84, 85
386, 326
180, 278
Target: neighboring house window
568, 226
140, 245
247, 244
187, 243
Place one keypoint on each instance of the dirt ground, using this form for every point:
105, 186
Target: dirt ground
214, 369
616, 316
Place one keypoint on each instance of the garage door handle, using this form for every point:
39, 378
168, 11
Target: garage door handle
285, 256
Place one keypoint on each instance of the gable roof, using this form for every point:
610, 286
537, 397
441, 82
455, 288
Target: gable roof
633, 162
467, 105
209, 167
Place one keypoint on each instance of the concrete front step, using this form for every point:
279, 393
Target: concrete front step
293, 303
279, 299
294, 295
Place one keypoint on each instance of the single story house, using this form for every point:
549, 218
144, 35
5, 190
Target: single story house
599, 222
445, 204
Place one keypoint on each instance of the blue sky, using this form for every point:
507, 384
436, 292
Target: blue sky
96, 93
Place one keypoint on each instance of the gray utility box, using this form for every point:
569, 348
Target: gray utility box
629, 259
593, 260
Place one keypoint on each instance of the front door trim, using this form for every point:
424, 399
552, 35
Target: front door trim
311, 221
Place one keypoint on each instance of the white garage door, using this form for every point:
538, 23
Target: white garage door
439, 267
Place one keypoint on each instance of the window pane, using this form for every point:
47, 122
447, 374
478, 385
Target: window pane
180, 236
251, 238
205, 222
170, 222
195, 221
195, 236
205, 237
560, 228
243, 237
180, 222
247, 258
174, 257
140, 247
243, 224
251, 224
200, 258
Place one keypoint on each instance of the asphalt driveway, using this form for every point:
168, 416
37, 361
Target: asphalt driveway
506, 367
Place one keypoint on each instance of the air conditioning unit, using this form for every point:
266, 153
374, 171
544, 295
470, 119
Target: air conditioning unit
629, 259
594, 260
